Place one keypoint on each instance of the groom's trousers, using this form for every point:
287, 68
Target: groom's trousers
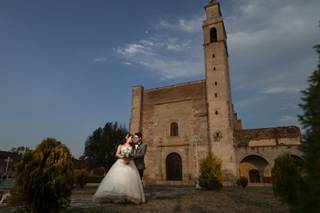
141, 173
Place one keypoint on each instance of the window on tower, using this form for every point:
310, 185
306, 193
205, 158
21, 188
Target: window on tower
213, 35
174, 130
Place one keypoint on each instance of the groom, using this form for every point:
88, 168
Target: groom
139, 151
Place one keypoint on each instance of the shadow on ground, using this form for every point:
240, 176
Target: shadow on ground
186, 199
169, 199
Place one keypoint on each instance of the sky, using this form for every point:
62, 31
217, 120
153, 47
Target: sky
68, 67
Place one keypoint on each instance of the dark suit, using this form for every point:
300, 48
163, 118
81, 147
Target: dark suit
138, 156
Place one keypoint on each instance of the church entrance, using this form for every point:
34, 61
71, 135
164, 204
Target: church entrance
254, 176
174, 167
256, 168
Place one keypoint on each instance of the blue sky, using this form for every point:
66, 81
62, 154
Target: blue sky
67, 67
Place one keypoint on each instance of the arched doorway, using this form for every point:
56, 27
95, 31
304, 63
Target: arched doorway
256, 169
254, 176
174, 167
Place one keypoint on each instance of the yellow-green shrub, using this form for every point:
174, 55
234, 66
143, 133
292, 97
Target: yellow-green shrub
210, 173
44, 179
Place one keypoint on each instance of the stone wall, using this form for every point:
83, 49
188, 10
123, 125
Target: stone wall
184, 104
262, 158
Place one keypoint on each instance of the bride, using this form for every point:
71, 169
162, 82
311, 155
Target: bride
122, 183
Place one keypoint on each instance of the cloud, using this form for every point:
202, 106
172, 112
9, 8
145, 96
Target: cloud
289, 119
192, 25
271, 56
291, 89
175, 53
289, 107
154, 56
128, 63
100, 59
271, 42
247, 102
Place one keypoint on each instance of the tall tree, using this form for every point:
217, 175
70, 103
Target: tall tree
100, 147
287, 181
310, 146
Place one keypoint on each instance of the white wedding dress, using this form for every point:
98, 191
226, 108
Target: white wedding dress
122, 183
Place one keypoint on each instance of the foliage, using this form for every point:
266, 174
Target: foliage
310, 146
100, 147
81, 178
94, 179
44, 179
287, 181
210, 173
242, 181
99, 171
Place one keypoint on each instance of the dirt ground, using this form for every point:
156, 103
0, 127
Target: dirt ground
186, 199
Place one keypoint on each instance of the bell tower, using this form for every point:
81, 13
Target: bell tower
219, 102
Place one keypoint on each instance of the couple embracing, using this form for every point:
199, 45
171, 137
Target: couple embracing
123, 182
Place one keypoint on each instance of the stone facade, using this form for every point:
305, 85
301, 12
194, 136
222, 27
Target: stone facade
182, 123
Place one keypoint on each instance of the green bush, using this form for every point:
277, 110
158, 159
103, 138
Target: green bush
81, 178
287, 181
44, 179
242, 181
210, 173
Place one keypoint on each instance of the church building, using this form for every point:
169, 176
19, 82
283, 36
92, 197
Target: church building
183, 123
